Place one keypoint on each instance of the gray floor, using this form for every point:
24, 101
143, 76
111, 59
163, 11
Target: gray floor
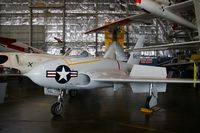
27, 110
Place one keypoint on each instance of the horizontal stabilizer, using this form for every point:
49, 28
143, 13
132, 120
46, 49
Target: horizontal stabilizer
147, 72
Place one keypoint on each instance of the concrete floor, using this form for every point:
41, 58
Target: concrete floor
27, 110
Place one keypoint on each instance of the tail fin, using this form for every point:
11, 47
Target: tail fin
115, 51
134, 56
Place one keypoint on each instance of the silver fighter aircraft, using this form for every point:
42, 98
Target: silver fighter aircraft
91, 73
72, 73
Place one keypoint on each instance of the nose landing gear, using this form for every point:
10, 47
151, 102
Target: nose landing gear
57, 107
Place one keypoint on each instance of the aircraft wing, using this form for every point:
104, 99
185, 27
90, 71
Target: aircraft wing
135, 18
12, 45
142, 80
138, 74
6, 49
107, 74
187, 5
141, 84
117, 78
192, 44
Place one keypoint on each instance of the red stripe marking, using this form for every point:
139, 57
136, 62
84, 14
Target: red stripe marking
73, 74
16, 47
7, 41
137, 1
51, 74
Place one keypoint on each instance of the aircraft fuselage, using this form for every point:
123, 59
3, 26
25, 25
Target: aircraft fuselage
160, 10
75, 73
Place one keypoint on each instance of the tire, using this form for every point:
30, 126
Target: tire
57, 109
147, 102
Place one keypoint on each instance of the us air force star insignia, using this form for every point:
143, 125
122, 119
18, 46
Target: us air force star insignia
62, 74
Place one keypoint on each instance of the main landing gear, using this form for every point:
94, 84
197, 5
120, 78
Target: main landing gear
151, 100
57, 107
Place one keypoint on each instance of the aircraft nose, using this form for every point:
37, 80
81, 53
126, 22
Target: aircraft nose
45, 74
35, 74
31, 74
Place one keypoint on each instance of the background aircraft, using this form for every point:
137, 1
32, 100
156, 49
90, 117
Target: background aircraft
166, 9
155, 8
181, 64
12, 45
174, 46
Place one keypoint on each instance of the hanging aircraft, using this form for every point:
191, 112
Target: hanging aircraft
166, 9
155, 8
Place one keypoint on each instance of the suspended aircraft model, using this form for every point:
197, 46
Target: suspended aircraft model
168, 10
155, 8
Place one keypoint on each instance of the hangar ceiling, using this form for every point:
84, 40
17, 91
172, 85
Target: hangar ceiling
80, 16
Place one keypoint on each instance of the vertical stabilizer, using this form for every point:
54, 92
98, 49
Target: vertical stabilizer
135, 56
115, 51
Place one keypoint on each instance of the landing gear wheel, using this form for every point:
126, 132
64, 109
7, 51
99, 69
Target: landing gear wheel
57, 109
73, 93
148, 102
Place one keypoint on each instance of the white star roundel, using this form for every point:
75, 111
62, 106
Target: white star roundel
62, 74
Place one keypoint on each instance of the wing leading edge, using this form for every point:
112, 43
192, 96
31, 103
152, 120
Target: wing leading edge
135, 18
